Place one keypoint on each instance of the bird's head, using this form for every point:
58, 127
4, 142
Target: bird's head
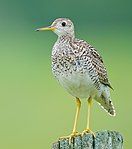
61, 26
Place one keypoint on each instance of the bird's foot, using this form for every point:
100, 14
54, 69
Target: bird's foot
88, 131
71, 136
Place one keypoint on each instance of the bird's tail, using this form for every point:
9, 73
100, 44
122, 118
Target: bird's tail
106, 104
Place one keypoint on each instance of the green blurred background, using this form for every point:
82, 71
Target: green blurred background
34, 109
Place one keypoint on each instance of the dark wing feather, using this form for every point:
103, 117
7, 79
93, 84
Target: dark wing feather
96, 59
98, 64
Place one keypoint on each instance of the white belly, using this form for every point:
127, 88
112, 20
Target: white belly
78, 85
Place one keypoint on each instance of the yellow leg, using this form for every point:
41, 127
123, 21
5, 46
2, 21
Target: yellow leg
88, 130
74, 131
78, 102
89, 110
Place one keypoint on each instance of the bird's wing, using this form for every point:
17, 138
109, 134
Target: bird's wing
98, 64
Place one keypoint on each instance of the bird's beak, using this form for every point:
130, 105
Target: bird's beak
49, 28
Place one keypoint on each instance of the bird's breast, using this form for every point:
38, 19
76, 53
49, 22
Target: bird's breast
72, 71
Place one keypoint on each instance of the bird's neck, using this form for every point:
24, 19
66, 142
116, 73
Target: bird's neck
66, 38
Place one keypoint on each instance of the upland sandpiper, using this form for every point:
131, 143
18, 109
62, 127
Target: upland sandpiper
79, 69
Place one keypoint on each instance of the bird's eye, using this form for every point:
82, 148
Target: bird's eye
63, 24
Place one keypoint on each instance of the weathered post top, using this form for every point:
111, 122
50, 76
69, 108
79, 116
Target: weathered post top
103, 140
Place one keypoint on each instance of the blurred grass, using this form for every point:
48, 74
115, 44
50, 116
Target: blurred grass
34, 108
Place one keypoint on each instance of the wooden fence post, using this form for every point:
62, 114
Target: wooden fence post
103, 140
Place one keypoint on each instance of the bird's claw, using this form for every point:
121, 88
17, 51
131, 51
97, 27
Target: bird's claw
88, 131
71, 136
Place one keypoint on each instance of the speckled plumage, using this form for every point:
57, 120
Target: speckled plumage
80, 69
78, 66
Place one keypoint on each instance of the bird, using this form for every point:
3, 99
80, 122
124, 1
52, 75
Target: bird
80, 69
